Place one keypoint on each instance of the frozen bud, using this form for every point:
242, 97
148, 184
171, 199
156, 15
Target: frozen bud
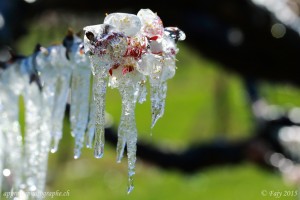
98, 29
128, 24
92, 34
116, 45
137, 46
151, 23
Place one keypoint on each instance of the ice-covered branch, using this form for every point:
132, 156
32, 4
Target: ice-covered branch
123, 53
129, 49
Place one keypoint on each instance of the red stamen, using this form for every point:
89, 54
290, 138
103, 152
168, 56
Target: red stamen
114, 66
154, 37
127, 69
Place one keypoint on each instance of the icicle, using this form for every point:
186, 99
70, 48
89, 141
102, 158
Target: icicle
60, 101
80, 91
152, 27
128, 129
152, 66
162, 70
63, 74
130, 83
162, 67
127, 132
100, 65
99, 94
158, 95
79, 106
130, 89
79, 123
13, 83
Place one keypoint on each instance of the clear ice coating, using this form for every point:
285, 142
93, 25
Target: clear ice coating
126, 50
128, 24
123, 53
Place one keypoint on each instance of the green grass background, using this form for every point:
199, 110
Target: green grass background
204, 102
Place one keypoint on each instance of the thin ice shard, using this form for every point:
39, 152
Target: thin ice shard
63, 75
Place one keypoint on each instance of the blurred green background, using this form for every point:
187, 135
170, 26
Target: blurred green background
204, 102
